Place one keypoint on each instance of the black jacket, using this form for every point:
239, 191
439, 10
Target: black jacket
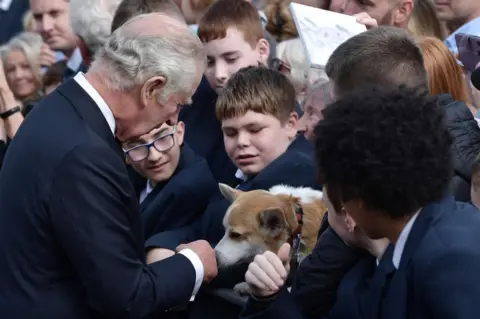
466, 146
71, 238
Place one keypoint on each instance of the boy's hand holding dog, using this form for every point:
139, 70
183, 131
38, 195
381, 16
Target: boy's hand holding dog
268, 272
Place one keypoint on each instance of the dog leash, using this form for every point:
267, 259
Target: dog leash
295, 240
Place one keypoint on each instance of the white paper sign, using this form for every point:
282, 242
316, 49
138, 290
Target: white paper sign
322, 31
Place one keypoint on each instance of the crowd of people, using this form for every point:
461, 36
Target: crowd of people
119, 119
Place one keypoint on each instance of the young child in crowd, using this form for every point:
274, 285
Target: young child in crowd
179, 183
256, 108
232, 33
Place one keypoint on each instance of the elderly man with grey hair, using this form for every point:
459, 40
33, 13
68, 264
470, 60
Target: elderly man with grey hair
91, 21
72, 244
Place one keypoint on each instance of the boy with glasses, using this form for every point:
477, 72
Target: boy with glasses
179, 183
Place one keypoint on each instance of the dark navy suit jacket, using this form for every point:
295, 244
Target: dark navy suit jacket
11, 21
181, 199
437, 277
71, 239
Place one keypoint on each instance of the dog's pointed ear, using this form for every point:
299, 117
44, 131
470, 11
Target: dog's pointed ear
228, 192
272, 221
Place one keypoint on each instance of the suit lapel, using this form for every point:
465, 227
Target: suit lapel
371, 298
89, 112
396, 300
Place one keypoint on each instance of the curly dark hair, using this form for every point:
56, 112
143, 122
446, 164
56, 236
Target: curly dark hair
391, 149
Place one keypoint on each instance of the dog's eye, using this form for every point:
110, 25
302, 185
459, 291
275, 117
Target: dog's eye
235, 235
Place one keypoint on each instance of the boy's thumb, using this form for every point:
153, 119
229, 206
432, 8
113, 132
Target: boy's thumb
284, 252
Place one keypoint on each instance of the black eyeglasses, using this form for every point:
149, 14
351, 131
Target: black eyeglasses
162, 144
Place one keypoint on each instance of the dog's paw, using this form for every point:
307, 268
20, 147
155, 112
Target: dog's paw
242, 289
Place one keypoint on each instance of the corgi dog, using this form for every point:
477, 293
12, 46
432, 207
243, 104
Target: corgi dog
261, 220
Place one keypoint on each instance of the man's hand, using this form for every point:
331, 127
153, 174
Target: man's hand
47, 56
157, 254
206, 254
267, 273
365, 19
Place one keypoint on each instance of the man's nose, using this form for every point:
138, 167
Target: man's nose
46, 23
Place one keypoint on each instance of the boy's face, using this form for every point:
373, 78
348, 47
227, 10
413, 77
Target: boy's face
228, 55
254, 140
159, 161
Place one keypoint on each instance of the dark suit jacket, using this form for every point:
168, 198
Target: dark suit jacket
71, 239
437, 277
204, 133
3, 151
11, 21
180, 200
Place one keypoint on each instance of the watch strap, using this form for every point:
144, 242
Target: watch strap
7, 113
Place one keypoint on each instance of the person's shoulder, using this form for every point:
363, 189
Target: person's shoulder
454, 233
295, 169
195, 176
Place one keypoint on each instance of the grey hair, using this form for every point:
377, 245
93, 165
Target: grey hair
322, 88
30, 44
130, 58
301, 74
91, 20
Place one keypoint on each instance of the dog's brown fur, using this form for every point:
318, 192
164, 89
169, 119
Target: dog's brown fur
260, 220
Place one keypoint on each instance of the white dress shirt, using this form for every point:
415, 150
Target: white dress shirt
148, 189
107, 113
402, 240
75, 60
5, 4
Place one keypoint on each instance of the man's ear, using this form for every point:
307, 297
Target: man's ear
152, 89
272, 221
228, 192
180, 132
263, 50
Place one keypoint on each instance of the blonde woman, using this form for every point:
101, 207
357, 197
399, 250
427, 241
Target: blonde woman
21, 60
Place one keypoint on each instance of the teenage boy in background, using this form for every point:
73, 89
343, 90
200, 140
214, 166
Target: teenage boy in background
233, 36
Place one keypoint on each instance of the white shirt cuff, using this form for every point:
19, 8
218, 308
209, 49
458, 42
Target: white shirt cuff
197, 264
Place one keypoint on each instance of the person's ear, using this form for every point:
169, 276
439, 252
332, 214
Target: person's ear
180, 133
402, 13
152, 89
263, 51
350, 223
292, 125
